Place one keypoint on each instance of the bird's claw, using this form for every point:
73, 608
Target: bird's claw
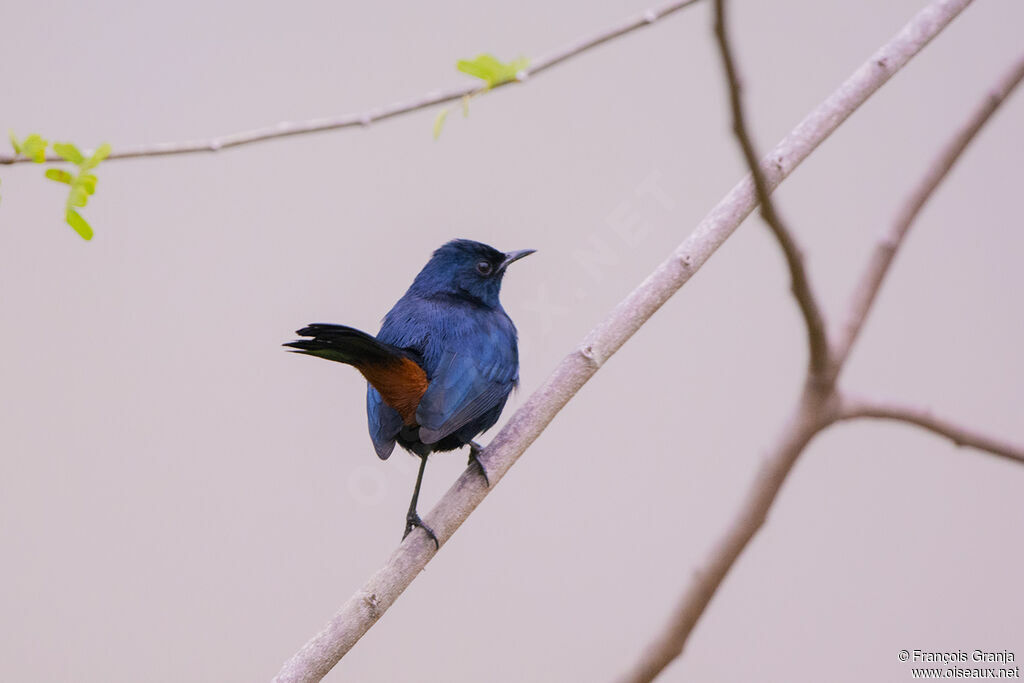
413, 521
474, 458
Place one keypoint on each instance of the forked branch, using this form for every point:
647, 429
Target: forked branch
820, 405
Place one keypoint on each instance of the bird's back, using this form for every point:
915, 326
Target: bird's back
470, 355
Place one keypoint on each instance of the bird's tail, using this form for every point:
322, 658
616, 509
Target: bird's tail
394, 372
345, 345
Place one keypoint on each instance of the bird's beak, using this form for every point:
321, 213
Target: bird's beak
514, 256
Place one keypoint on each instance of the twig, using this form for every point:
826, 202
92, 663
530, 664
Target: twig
354, 618
817, 339
853, 408
885, 250
288, 128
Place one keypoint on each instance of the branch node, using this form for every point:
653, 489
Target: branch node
888, 244
587, 351
370, 602
650, 16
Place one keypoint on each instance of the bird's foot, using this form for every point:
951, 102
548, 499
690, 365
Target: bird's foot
412, 521
474, 458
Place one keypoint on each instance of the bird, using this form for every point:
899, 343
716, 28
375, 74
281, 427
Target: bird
443, 364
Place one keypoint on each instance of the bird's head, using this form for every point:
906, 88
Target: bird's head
466, 269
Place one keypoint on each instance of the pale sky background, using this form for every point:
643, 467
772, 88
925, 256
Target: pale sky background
181, 500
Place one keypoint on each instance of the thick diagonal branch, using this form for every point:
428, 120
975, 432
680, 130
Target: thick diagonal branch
817, 339
289, 128
852, 408
885, 250
354, 618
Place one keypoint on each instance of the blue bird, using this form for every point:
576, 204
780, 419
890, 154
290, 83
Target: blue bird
443, 364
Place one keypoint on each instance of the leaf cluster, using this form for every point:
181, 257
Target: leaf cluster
492, 71
81, 183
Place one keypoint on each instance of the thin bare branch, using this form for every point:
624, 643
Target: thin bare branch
885, 250
809, 416
289, 128
354, 618
852, 408
817, 339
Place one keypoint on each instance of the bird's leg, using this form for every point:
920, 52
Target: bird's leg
412, 519
474, 457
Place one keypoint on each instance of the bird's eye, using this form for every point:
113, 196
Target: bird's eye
484, 267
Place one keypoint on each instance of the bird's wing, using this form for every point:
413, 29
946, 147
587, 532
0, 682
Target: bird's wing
384, 422
465, 385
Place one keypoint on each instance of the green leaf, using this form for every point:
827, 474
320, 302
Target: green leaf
439, 122
485, 67
101, 153
87, 181
68, 152
34, 147
59, 176
491, 70
79, 224
78, 197
14, 141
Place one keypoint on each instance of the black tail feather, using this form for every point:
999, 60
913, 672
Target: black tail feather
345, 345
